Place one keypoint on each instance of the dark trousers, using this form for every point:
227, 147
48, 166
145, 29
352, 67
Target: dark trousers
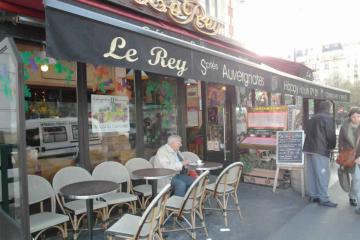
181, 183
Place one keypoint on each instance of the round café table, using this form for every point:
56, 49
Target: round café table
153, 174
206, 166
88, 190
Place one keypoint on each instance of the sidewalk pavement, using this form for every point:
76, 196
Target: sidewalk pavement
281, 215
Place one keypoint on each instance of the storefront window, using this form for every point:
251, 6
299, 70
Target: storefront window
160, 111
194, 124
111, 114
261, 98
241, 113
275, 99
50, 111
215, 117
289, 99
9, 172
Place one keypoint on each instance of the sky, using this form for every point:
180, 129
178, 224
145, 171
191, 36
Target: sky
277, 27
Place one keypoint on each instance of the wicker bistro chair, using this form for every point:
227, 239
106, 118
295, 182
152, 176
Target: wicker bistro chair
192, 157
144, 190
76, 209
226, 185
39, 191
152, 160
145, 227
191, 204
116, 172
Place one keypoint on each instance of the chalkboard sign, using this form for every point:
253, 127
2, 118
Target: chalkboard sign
289, 147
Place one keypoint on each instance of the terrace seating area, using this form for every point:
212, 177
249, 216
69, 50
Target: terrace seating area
264, 214
131, 203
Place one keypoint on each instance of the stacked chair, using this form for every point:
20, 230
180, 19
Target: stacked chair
145, 227
226, 185
76, 209
144, 190
39, 191
191, 206
192, 157
116, 172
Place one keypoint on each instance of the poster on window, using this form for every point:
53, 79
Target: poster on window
110, 113
267, 117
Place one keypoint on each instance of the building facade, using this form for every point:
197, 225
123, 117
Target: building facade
332, 63
113, 79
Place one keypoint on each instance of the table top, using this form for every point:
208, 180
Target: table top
207, 166
88, 189
153, 173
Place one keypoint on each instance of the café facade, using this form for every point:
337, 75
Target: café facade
111, 83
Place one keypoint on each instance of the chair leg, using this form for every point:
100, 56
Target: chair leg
193, 225
75, 228
237, 204
225, 202
202, 219
65, 231
159, 234
133, 207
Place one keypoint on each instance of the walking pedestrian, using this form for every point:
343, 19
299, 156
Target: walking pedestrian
348, 137
319, 141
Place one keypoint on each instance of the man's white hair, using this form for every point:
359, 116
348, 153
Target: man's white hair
173, 138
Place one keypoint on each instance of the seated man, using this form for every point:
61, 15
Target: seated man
169, 156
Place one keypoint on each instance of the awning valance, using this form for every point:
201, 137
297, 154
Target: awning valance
78, 33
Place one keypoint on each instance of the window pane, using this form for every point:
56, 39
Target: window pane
51, 111
160, 111
9, 175
112, 114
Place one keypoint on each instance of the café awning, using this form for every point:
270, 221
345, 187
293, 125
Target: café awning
77, 32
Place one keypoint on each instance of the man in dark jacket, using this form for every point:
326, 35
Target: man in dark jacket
320, 140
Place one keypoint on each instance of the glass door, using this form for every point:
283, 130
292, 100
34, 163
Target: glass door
13, 180
218, 123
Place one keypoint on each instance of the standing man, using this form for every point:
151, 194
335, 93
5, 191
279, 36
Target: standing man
169, 156
320, 140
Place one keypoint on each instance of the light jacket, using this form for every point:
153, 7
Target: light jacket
166, 157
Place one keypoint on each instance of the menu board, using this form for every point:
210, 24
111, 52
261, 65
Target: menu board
289, 147
267, 117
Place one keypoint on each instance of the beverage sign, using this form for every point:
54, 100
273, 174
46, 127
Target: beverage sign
110, 113
289, 147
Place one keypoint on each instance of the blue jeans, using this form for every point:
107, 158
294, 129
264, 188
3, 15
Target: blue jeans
181, 183
355, 184
318, 176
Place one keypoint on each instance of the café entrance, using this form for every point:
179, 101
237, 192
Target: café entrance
211, 134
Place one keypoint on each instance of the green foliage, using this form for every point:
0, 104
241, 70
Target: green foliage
249, 161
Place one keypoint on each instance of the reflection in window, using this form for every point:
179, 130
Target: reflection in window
54, 134
160, 111
111, 108
33, 137
275, 99
261, 98
50, 98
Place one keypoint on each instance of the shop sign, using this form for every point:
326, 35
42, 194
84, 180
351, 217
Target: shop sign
185, 12
71, 37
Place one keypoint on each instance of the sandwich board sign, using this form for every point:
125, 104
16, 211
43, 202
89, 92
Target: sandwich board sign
289, 154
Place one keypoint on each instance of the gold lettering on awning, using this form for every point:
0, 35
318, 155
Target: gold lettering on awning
185, 12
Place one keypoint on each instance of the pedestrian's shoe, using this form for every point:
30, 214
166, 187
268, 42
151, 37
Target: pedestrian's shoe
328, 204
314, 199
353, 202
357, 211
